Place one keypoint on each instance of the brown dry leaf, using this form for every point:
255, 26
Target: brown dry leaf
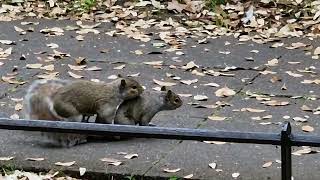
80, 38
190, 65
315, 81
111, 161
77, 68
216, 118
235, 175
6, 158
162, 83
213, 165
275, 103
306, 108
267, 164
212, 84
18, 107
185, 95
299, 119
188, 176
215, 142
273, 62
80, 60
189, 82
131, 156
290, 73
20, 30
52, 75
138, 52
154, 63
120, 67
252, 110
175, 5
82, 171
276, 45
225, 92
12, 80
34, 159
6, 42
307, 128
305, 150
171, 170
113, 77
49, 67
200, 97
296, 45
93, 68
317, 51
74, 75
34, 66
65, 164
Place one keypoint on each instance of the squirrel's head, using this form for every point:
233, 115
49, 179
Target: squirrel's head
171, 100
129, 88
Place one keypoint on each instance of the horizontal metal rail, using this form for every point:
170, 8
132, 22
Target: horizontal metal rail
285, 138
140, 131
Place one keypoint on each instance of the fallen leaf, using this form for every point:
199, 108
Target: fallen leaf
12, 80
200, 97
66, 164
305, 150
189, 82
138, 52
190, 65
216, 118
273, 62
317, 51
53, 45
267, 164
188, 176
252, 110
113, 77
213, 165
77, 68
82, 171
111, 161
34, 66
290, 73
6, 158
307, 128
18, 107
225, 92
299, 119
235, 175
93, 68
154, 63
48, 67
74, 75
212, 84
171, 170
120, 67
305, 108
34, 159
162, 83
6, 42
131, 156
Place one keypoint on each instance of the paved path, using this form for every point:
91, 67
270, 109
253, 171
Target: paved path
154, 155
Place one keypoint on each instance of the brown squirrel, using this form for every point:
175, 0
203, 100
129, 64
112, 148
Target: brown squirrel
143, 108
71, 100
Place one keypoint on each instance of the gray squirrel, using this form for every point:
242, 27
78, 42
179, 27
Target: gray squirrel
143, 108
71, 100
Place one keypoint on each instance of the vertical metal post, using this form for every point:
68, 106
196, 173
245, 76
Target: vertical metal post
286, 166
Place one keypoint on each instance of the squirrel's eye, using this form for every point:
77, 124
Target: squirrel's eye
176, 100
134, 87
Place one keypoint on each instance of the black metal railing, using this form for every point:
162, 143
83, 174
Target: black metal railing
285, 139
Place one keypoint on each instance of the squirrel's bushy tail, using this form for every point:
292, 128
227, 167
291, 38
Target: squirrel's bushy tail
38, 103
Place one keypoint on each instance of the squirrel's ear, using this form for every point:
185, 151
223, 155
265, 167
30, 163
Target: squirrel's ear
169, 94
163, 88
119, 76
123, 83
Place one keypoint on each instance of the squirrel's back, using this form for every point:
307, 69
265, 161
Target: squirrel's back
38, 103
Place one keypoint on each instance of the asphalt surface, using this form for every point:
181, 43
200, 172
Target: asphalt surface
154, 155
